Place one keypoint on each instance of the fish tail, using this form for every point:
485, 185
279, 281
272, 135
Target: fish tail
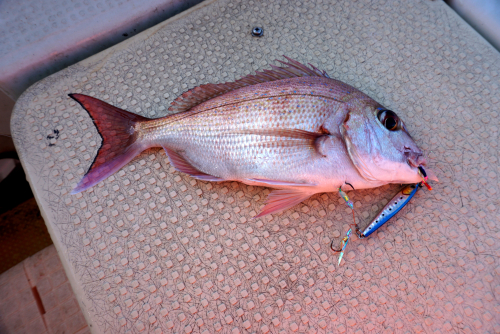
120, 140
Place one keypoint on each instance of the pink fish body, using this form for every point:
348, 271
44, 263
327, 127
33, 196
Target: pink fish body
290, 128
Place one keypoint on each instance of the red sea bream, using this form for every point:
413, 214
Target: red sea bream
292, 128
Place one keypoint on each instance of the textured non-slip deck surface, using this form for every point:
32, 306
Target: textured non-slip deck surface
151, 249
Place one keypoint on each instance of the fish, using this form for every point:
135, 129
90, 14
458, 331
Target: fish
292, 128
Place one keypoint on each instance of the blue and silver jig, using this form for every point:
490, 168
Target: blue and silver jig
390, 209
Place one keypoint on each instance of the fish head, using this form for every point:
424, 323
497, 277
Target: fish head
380, 146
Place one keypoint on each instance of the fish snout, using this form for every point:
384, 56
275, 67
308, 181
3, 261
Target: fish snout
415, 158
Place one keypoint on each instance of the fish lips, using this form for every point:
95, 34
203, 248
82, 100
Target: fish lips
416, 160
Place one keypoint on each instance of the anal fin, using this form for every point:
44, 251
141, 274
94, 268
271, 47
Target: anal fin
182, 165
279, 200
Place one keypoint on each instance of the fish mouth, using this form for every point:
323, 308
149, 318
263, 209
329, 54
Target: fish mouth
417, 161
414, 159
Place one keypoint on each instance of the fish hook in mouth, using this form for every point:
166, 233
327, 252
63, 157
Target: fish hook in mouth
417, 160
423, 175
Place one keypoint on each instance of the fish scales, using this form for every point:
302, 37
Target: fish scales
209, 135
292, 128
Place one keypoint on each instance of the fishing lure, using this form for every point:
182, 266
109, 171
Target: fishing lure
346, 198
345, 239
390, 209
343, 244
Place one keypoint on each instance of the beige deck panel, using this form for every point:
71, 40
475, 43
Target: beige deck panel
151, 249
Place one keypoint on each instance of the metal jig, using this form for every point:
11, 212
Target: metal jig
390, 209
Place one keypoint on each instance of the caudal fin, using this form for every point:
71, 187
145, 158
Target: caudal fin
120, 142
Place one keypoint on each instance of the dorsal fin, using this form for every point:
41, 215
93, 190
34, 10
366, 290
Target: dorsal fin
203, 93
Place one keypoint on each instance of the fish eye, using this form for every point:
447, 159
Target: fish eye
389, 119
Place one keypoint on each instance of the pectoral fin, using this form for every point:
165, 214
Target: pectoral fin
279, 200
315, 141
182, 165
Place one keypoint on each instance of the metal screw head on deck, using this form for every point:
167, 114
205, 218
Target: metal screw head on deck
257, 32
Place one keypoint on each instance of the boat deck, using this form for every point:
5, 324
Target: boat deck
150, 249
